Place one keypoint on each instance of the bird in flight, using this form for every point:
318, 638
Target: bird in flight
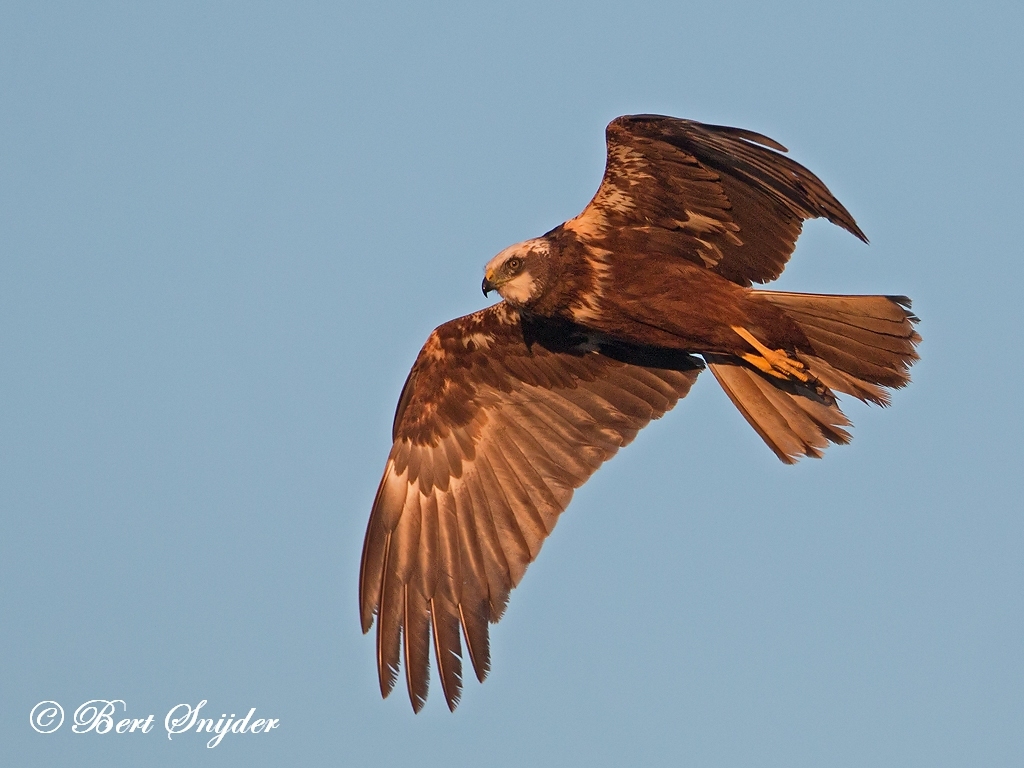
604, 324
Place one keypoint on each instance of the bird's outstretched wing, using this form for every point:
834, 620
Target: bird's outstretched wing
721, 197
502, 416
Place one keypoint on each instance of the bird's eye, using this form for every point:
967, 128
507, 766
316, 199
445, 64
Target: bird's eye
514, 264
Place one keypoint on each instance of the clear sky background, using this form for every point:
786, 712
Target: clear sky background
227, 228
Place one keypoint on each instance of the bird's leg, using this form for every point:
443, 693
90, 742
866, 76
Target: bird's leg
773, 362
778, 364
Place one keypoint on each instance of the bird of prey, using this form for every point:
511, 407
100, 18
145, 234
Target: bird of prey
605, 322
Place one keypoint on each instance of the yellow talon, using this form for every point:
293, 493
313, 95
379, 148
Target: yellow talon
773, 362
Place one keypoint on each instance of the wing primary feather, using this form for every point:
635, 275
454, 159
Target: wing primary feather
473, 604
510, 538
429, 551
371, 572
449, 552
405, 539
389, 627
478, 641
417, 646
447, 648
384, 515
496, 565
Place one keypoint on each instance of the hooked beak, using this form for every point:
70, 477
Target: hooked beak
487, 286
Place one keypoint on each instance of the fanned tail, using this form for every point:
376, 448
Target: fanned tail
863, 345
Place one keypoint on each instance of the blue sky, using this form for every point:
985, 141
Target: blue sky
225, 231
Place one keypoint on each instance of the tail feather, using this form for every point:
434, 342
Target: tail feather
791, 418
841, 381
870, 338
862, 345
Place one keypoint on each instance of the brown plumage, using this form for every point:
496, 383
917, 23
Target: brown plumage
506, 411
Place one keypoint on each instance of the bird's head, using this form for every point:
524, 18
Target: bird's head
518, 273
